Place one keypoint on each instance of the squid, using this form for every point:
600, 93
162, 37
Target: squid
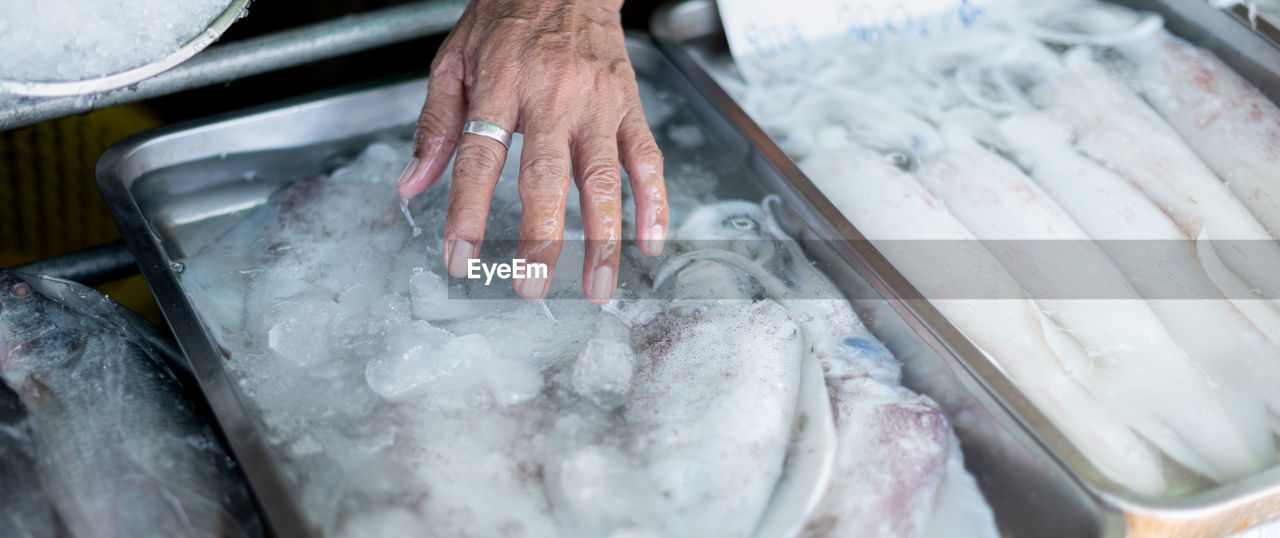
1132, 360
711, 411
893, 448
1228, 340
1114, 126
970, 287
1227, 121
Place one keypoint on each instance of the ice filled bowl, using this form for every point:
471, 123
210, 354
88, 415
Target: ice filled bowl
66, 47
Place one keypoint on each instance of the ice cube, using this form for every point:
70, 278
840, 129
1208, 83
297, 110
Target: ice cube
511, 381
602, 373
429, 293
588, 480
686, 135
298, 329
387, 523
422, 357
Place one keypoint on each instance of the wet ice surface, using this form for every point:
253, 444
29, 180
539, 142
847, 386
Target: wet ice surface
406, 403
68, 40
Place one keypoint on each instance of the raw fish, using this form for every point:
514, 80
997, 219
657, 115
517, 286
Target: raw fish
120, 449
26, 511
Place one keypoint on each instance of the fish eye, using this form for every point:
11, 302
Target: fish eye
741, 223
20, 290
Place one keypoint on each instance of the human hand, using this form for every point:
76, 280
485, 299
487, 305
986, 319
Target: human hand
558, 72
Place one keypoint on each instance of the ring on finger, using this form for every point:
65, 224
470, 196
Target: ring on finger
488, 130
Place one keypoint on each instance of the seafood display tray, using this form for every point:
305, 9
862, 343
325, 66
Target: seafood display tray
175, 189
690, 30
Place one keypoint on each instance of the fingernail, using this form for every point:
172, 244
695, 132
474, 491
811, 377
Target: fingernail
655, 239
602, 284
532, 288
459, 256
409, 172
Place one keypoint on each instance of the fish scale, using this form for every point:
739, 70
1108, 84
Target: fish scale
26, 510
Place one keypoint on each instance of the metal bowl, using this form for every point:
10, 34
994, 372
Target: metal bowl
131, 76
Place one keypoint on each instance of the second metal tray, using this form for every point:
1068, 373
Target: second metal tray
689, 31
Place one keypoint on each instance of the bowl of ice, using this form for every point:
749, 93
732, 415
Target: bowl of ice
58, 48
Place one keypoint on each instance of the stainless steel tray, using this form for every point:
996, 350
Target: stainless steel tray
174, 189
690, 30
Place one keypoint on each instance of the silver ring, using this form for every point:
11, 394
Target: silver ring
488, 130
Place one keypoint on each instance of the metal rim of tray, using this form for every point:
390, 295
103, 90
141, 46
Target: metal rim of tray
1265, 26
114, 81
1227, 507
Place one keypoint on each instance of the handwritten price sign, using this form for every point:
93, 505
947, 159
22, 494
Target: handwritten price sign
765, 36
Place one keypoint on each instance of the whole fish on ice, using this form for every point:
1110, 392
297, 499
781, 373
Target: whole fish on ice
120, 450
26, 511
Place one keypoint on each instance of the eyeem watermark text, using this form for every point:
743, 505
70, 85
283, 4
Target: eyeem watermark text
477, 269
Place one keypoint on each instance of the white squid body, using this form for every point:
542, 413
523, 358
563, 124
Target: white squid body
1132, 361
893, 448
1225, 341
891, 459
976, 294
1229, 123
898, 469
711, 408
1116, 127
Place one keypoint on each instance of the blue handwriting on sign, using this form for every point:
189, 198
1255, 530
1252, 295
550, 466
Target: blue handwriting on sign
867, 24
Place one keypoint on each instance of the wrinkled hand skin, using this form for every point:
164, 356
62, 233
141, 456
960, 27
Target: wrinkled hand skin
558, 72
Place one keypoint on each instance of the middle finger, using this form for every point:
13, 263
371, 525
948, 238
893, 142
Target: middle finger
599, 176
544, 189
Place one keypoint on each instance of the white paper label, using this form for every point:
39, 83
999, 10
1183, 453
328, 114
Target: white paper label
766, 36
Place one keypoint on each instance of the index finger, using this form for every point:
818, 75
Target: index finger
439, 126
643, 161
544, 190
